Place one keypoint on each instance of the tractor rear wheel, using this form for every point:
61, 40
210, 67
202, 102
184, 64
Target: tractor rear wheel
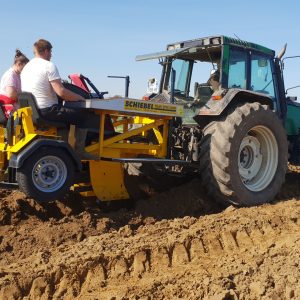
243, 157
46, 175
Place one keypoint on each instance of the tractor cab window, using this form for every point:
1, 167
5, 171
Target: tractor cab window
261, 75
237, 75
181, 68
201, 89
191, 80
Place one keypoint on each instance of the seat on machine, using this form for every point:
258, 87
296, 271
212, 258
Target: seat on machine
27, 99
202, 92
7, 106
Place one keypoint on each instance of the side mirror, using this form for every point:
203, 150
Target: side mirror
291, 98
152, 86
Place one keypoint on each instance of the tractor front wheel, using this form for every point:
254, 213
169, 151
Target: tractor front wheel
243, 157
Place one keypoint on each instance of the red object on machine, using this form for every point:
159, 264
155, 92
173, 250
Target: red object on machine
146, 97
7, 105
78, 81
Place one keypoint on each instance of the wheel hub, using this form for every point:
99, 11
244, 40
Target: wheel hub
49, 173
258, 158
250, 157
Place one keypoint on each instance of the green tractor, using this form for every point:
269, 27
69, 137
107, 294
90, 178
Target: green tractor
240, 136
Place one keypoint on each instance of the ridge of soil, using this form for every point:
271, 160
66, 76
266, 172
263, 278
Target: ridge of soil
177, 244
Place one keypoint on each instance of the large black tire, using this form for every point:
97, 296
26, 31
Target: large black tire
46, 175
243, 156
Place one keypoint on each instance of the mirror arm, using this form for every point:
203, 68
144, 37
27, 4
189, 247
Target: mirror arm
293, 87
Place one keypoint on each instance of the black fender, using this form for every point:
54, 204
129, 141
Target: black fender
214, 108
17, 159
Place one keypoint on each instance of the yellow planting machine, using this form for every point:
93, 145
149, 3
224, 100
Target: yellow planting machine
34, 157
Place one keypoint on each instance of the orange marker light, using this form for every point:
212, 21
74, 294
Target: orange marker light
218, 97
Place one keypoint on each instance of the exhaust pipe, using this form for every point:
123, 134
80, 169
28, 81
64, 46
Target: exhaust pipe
282, 52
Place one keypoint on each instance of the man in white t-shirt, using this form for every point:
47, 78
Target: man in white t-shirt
41, 78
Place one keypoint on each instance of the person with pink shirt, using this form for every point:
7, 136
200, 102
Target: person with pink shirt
10, 84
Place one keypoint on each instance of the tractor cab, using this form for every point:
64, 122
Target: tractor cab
242, 67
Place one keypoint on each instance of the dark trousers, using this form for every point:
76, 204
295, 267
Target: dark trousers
81, 118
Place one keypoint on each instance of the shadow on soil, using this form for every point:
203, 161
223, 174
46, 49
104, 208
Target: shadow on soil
188, 199
184, 200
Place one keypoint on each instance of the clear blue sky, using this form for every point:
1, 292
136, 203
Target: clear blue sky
101, 38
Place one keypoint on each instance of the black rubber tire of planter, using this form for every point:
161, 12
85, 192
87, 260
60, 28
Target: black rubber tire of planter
44, 156
220, 155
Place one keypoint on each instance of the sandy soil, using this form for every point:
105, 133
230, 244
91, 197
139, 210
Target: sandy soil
176, 245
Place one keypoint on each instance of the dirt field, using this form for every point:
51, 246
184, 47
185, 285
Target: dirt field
177, 245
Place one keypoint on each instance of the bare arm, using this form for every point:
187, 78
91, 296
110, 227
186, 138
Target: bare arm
64, 93
11, 92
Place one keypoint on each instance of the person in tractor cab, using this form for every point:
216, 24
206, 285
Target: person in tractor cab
10, 84
41, 78
214, 80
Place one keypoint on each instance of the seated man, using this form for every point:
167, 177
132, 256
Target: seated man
41, 78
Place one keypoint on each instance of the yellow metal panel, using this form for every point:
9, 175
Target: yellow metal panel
17, 135
132, 132
143, 120
52, 132
26, 115
2, 147
107, 180
87, 194
158, 135
125, 124
2, 135
134, 146
94, 148
2, 160
112, 153
101, 132
123, 121
165, 138
22, 143
129, 153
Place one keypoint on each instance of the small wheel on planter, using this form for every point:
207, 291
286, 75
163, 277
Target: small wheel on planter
46, 175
